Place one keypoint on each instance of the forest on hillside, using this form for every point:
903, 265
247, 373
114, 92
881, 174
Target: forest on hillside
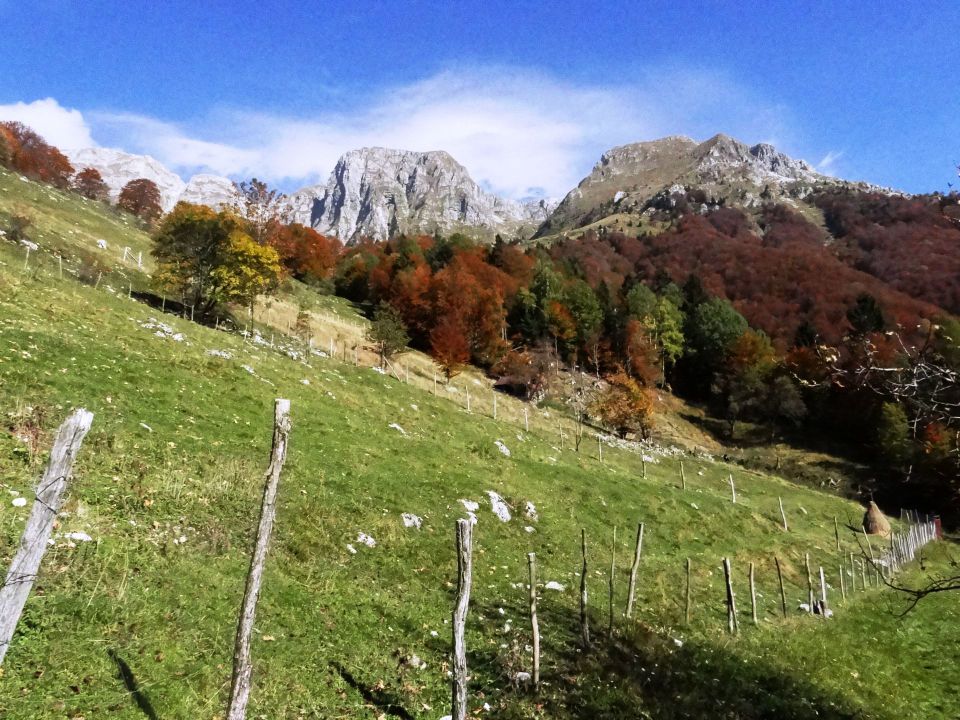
844, 331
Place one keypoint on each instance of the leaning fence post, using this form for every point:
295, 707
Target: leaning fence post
631, 589
733, 489
464, 580
823, 594
532, 564
732, 622
584, 620
613, 569
33, 543
242, 667
783, 515
783, 595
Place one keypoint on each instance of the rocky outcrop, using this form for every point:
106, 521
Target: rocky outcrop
211, 190
727, 171
118, 168
379, 193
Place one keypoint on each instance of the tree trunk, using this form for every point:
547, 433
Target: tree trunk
33, 543
242, 667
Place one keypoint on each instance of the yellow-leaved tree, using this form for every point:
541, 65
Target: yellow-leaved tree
207, 258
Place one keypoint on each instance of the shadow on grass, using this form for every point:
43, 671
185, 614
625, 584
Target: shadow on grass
126, 675
385, 702
642, 673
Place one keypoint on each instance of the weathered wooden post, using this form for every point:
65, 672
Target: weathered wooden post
733, 489
535, 627
753, 596
600, 448
631, 589
733, 623
806, 559
526, 421
783, 595
686, 614
26, 261
613, 569
584, 620
468, 398
836, 531
683, 477
242, 666
560, 425
783, 515
464, 581
843, 589
643, 467
33, 543
823, 594
853, 574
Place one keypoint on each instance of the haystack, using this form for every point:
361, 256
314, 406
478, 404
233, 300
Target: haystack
875, 521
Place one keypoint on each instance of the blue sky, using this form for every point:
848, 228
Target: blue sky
526, 95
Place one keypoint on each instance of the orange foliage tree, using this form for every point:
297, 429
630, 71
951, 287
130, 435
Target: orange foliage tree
32, 156
89, 183
449, 346
141, 197
624, 406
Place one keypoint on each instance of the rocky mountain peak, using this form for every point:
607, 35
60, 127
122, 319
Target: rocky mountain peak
381, 192
118, 168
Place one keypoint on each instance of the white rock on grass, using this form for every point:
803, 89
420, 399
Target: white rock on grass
553, 585
504, 450
499, 506
470, 505
365, 539
411, 520
79, 536
531, 510
399, 429
18, 501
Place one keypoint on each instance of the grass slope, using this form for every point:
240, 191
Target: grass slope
139, 622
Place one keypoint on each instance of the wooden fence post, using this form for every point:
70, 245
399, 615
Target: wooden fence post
783, 595
464, 581
643, 467
686, 614
242, 667
633, 570
823, 594
613, 569
836, 530
33, 543
732, 623
526, 421
683, 477
843, 589
733, 489
753, 596
806, 558
600, 448
783, 515
584, 620
532, 564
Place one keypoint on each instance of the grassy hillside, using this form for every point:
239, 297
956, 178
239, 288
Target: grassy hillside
168, 485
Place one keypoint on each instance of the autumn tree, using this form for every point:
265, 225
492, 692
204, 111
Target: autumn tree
387, 332
625, 406
305, 253
30, 155
449, 346
141, 197
89, 183
207, 258
261, 207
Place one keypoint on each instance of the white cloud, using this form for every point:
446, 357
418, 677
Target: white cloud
516, 131
828, 163
63, 127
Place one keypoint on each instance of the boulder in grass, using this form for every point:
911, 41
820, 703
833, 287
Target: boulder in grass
875, 522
